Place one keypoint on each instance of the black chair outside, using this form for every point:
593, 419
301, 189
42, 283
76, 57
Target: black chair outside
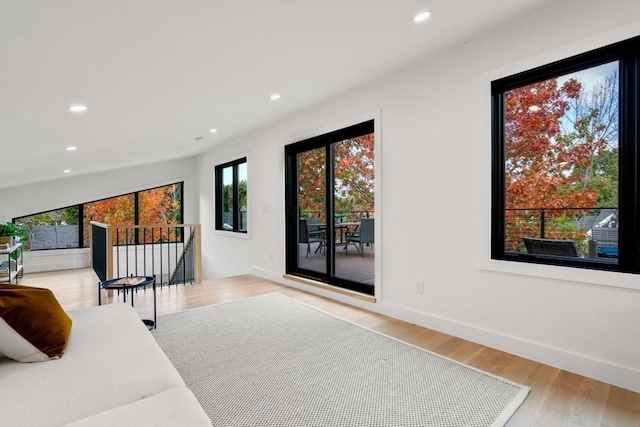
566, 248
310, 233
314, 225
364, 236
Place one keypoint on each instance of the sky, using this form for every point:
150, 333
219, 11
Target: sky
591, 76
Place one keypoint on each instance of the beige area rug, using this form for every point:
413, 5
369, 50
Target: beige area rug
273, 361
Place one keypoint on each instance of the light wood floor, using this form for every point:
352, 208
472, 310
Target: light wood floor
557, 398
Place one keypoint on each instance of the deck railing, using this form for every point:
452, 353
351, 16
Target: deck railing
171, 253
351, 216
555, 223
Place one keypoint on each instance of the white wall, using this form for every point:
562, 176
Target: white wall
34, 198
435, 163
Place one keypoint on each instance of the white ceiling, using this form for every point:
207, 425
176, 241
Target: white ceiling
156, 75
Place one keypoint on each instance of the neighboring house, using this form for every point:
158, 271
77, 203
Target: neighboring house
605, 218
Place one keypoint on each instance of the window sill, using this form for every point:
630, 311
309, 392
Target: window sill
233, 234
610, 279
42, 253
327, 287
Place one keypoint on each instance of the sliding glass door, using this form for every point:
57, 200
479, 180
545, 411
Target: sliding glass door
330, 208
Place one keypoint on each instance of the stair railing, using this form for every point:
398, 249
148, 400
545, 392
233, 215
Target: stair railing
184, 264
145, 250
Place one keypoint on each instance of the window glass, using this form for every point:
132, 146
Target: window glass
161, 205
227, 199
561, 160
231, 196
566, 162
57, 229
242, 196
312, 207
112, 211
62, 228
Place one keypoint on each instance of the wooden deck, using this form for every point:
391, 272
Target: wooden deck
351, 265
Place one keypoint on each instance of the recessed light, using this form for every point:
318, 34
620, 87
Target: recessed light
422, 16
71, 148
213, 130
66, 171
275, 97
78, 108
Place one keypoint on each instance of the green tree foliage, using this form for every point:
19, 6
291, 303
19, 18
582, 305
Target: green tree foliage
592, 124
605, 177
227, 201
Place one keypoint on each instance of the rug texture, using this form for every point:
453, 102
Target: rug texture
273, 361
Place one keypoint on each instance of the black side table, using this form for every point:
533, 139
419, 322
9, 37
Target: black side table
126, 284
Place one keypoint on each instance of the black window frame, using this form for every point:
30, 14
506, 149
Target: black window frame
324, 141
627, 53
80, 207
219, 192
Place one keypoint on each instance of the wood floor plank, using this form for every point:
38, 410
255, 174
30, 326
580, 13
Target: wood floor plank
622, 408
556, 405
586, 406
539, 378
557, 398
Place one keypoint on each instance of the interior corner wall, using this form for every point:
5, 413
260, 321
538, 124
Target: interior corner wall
43, 196
435, 180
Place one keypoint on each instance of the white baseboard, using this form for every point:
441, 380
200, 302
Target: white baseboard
52, 260
601, 370
621, 376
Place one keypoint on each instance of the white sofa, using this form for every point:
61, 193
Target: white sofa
113, 373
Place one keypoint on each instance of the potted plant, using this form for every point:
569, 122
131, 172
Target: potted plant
8, 231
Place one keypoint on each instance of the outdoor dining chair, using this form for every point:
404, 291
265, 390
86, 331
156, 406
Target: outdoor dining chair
364, 236
310, 233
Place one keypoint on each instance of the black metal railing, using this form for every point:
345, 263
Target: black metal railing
582, 218
351, 216
185, 268
555, 223
171, 253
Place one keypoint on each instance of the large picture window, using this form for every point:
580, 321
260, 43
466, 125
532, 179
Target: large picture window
69, 227
231, 196
565, 162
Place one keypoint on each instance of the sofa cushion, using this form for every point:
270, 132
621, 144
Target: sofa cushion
171, 408
111, 360
33, 325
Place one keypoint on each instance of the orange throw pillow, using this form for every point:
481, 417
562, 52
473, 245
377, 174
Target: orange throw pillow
33, 325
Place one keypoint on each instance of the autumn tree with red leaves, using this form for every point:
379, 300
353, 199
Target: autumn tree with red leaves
159, 205
354, 179
555, 138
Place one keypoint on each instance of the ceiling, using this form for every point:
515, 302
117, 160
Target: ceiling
156, 76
